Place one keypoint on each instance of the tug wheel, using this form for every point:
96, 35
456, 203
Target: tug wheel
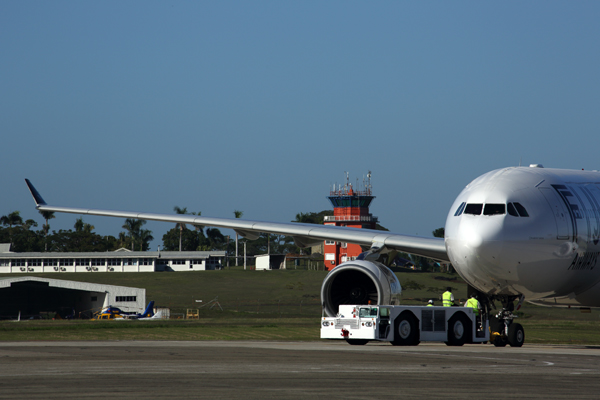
357, 342
406, 332
459, 330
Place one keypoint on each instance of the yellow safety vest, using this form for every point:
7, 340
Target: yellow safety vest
447, 299
474, 304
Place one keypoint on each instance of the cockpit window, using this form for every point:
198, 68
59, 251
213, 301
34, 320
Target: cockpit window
460, 209
473, 208
494, 209
512, 210
522, 211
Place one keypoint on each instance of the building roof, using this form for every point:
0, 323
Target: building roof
119, 254
63, 284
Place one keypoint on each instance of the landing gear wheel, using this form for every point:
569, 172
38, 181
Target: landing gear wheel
357, 342
516, 335
497, 325
459, 330
406, 331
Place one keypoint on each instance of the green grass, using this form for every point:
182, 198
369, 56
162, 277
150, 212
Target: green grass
295, 329
268, 305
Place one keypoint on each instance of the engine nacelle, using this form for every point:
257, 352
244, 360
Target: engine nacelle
358, 282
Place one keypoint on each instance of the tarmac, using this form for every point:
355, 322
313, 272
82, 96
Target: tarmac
294, 370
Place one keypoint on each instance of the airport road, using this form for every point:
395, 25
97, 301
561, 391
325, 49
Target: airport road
294, 370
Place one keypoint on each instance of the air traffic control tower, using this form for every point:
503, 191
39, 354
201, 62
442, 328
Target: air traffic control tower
351, 209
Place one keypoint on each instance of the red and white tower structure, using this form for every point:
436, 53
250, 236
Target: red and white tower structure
351, 209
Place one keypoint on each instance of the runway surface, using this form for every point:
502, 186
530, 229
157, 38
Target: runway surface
294, 370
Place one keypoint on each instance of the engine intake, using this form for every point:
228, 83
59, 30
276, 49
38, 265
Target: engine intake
358, 282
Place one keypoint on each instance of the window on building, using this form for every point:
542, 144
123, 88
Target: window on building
330, 242
4, 263
51, 262
130, 261
98, 261
114, 261
125, 298
178, 262
18, 263
66, 262
82, 262
34, 263
146, 261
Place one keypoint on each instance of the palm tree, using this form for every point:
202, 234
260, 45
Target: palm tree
134, 227
48, 215
238, 214
181, 225
12, 219
84, 227
145, 238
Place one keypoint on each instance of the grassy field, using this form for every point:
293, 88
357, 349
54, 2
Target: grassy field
268, 305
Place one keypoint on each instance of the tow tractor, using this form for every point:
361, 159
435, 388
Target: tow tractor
410, 325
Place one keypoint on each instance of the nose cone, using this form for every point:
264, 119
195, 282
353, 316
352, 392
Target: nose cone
475, 245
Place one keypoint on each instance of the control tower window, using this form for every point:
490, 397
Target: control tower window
521, 210
473, 208
460, 209
494, 209
512, 210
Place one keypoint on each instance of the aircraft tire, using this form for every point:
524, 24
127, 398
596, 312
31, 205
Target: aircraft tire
406, 332
357, 342
516, 335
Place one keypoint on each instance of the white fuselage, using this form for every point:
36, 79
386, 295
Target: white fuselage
530, 231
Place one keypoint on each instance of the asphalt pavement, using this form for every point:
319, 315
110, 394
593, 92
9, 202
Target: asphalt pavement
294, 370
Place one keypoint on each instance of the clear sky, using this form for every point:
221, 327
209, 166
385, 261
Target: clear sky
261, 106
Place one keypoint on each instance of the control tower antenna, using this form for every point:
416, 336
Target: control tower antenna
347, 186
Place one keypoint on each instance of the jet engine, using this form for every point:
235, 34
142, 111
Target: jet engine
359, 282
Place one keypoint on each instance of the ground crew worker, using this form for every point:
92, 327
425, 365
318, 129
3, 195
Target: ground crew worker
430, 304
448, 298
474, 303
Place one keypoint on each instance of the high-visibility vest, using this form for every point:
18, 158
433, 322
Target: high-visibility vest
429, 305
474, 304
447, 299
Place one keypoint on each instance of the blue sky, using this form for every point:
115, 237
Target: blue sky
261, 106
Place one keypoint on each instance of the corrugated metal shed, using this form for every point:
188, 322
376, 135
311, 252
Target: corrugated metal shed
32, 295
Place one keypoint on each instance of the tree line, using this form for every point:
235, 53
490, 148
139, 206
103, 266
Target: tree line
82, 238
23, 236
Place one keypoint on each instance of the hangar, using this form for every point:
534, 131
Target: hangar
28, 297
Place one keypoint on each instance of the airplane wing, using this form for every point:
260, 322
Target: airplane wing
304, 234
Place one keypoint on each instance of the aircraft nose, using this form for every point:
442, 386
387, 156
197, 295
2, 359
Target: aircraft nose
475, 249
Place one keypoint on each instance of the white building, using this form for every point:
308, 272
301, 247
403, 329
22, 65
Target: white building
118, 261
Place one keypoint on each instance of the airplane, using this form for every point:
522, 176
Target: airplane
512, 234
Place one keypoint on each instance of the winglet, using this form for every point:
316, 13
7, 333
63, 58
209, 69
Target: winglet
39, 201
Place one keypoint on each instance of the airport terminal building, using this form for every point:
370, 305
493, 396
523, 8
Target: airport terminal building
121, 260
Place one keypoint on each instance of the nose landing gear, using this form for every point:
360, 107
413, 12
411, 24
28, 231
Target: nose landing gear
503, 329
